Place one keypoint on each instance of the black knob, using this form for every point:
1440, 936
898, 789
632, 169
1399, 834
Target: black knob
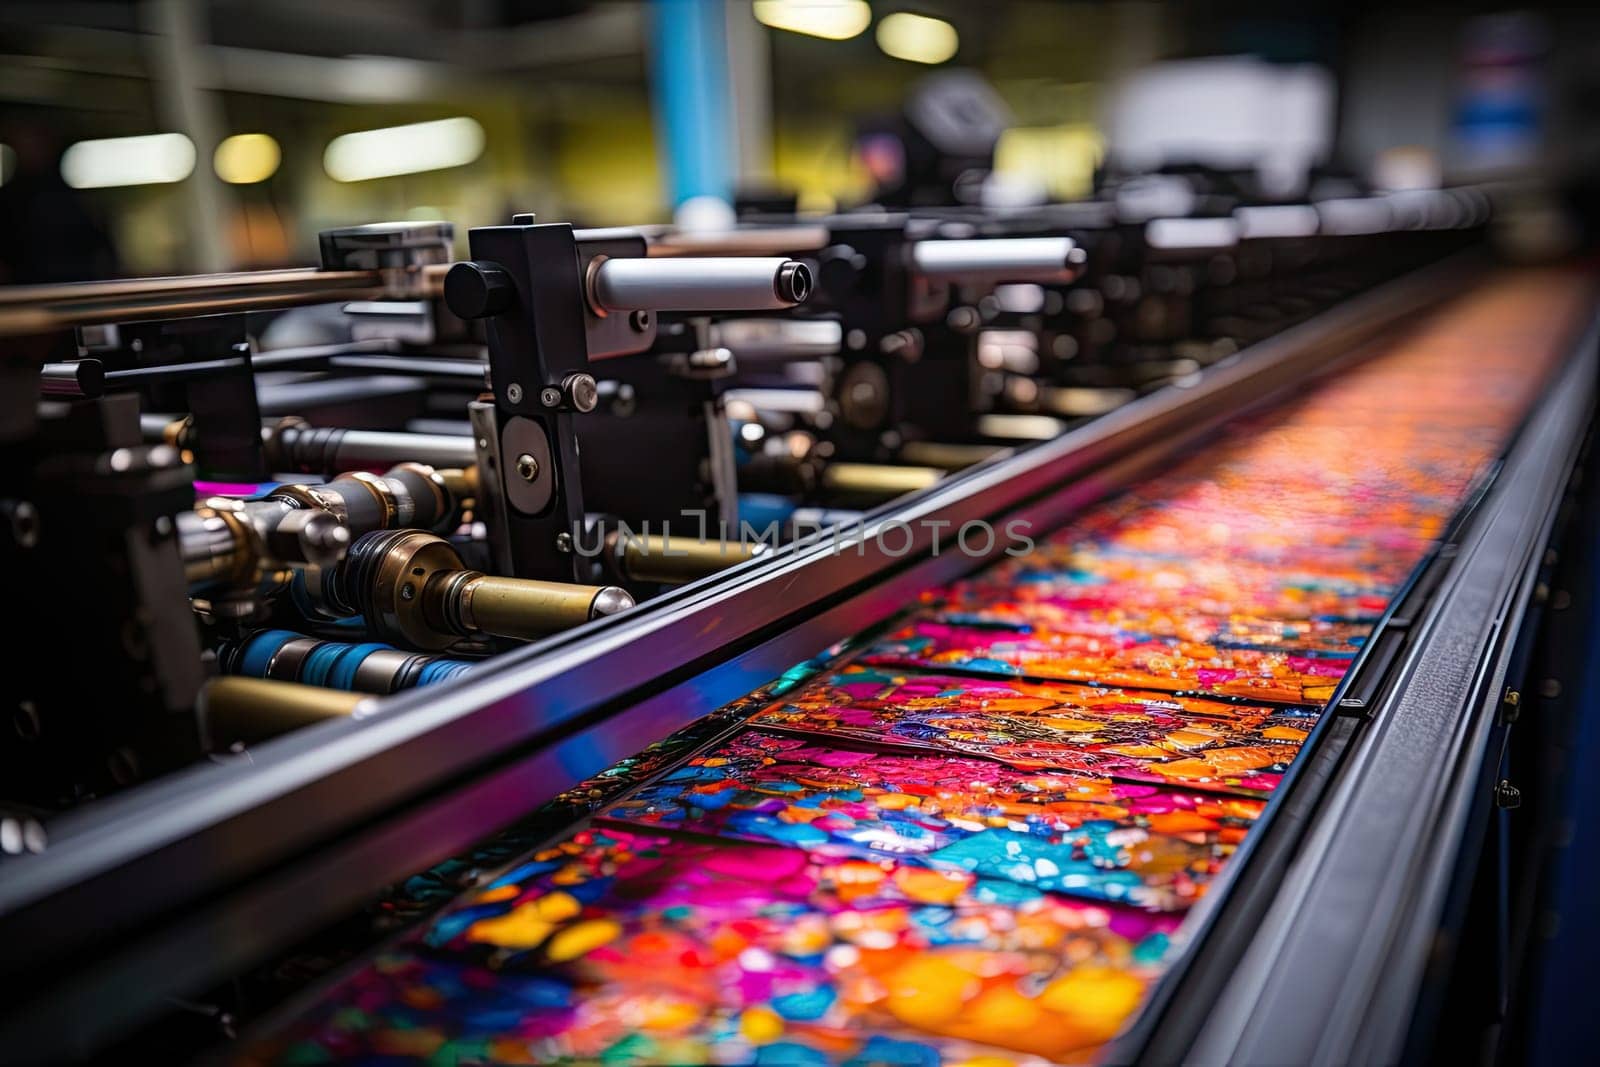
478, 290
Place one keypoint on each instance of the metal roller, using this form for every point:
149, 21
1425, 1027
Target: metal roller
75, 378
691, 284
653, 558
1009, 259
284, 655
243, 545
877, 479
235, 710
412, 588
293, 445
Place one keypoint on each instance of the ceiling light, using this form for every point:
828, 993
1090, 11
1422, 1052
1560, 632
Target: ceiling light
421, 146
917, 38
836, 20
153, 159
246, 158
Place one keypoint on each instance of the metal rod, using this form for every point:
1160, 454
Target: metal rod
653, 558
1007, 259
238, 710
294, 446
730, 284
83, 377
755, 241
877, 479
26, 309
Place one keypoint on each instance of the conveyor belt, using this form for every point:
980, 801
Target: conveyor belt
976, 835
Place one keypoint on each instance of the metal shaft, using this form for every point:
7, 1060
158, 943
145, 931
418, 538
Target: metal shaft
1008, 259
673, 561
413, 589
692, 284
877, 479
292, 445
81, 377
284, 655
236, 710
26, 309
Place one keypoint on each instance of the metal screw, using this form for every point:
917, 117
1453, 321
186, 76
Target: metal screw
550, 396
564, 542
640, 321
580, 392
408, 592
528, 467
514, 393
1510, 706
1507, 796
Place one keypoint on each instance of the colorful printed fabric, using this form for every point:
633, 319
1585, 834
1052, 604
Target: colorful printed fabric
1117, 841
978, 841
623, 947
1139, 736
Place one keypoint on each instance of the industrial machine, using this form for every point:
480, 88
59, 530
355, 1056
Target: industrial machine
989, 635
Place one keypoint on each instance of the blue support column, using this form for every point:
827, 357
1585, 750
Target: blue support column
689, 80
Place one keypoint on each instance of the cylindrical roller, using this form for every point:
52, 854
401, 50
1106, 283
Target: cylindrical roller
235, 710
409, 495
946, 455
877, 479
523, 608
294, 446
412, 589
81, 377
233, 542
697, 284
995, 260
174, 430
653, 558
284, 655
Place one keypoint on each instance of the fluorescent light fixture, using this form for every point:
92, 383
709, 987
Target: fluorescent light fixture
1191, 235
1277, 220
246, 158
421, 146
835, 20
917, 38
153, 159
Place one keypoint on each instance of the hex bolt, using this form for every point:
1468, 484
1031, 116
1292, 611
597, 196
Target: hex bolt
527, 467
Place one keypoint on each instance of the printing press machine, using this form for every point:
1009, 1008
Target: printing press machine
322, 636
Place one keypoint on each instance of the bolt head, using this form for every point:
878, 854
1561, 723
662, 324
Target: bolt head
527, 467
550, 396
640, 321
514, 393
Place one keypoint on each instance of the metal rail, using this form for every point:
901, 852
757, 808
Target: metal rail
1336, 963
32, 309
350, 805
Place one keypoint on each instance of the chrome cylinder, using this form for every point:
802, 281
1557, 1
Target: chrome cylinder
691, 284
997, 260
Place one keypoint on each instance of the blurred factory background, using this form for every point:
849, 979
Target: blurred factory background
177, 135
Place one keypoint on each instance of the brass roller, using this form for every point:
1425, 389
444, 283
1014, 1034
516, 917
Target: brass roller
675, 561
237, 710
